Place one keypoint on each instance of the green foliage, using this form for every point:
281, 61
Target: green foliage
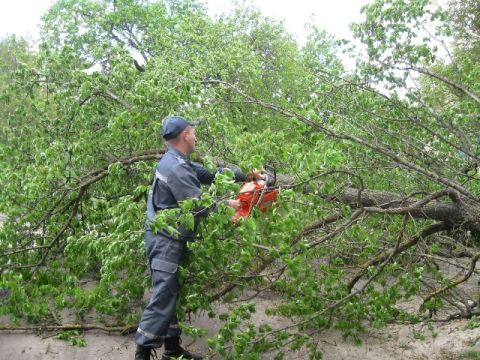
81, 133
473, 323
73, 337
471, 354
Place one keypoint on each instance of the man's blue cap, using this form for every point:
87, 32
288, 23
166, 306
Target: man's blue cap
174, 125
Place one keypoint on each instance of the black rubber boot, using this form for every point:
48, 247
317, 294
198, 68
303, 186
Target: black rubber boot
174, 350
142, 353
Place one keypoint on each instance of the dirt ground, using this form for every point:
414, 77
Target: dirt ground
443, 341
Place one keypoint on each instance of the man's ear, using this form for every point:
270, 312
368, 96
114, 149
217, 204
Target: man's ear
186, 133
183, 135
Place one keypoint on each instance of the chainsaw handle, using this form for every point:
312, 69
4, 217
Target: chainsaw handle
271, 172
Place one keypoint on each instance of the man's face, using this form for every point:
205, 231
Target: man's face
189, 138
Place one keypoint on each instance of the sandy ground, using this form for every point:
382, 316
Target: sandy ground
443, 341
392, 343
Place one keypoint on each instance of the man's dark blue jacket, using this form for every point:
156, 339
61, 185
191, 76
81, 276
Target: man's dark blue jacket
176, 179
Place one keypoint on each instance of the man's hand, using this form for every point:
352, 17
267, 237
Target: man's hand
235, 204
256, 174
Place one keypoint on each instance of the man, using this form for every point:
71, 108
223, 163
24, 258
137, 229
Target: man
176, 179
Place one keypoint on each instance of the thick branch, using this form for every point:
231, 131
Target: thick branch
83, 327
99, 174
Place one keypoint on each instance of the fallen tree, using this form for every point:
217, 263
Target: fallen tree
458, 212
381, 200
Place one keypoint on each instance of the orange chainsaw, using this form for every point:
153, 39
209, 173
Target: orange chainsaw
256, 193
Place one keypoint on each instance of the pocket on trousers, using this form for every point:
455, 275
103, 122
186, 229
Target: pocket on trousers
165, 272
164, 265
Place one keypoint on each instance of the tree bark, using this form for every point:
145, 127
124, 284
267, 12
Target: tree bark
457, 212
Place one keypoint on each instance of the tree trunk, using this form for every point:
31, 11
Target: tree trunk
457, 212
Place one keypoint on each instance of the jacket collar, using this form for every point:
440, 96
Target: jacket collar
177, 152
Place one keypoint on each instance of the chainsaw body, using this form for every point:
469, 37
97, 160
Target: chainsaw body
256, 193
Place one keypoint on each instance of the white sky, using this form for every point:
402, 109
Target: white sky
334, 16
23, 16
